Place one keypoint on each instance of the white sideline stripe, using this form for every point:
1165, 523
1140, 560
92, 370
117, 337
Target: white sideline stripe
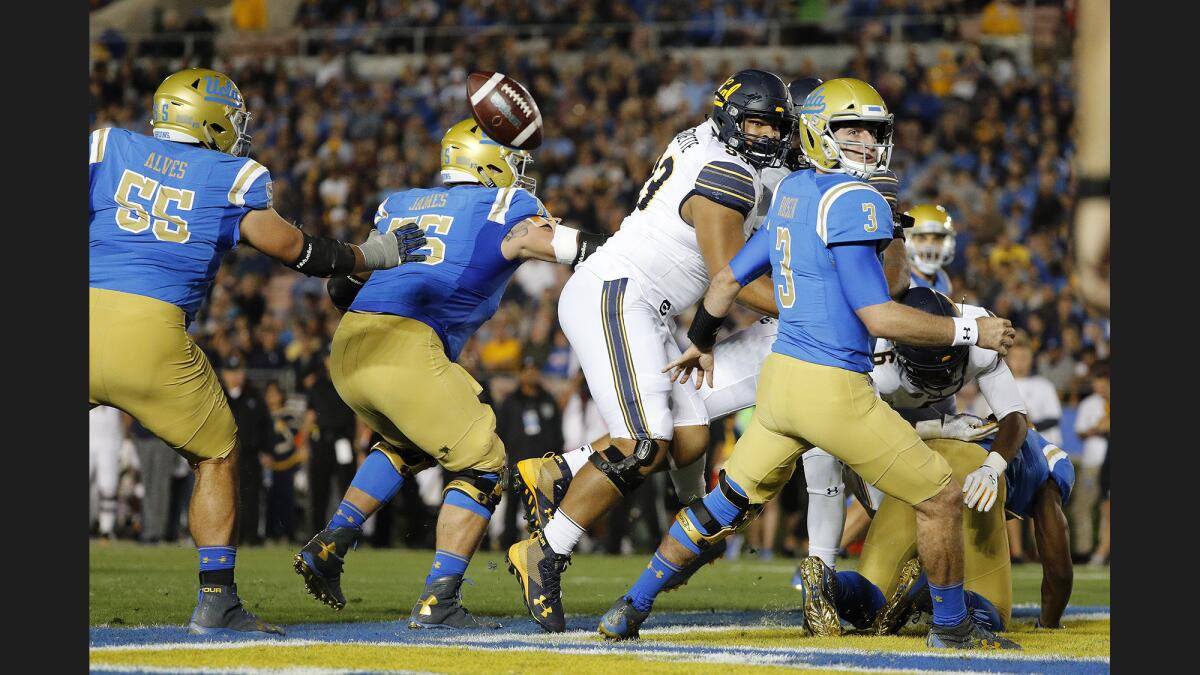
486, 88
563, 644
106, 667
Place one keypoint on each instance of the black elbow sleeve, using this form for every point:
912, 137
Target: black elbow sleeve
343, 289
324, 257
588, 243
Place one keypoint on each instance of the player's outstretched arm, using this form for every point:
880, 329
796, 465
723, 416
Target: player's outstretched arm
895, 268
719, 235
1053, 539
546, 238
267, 231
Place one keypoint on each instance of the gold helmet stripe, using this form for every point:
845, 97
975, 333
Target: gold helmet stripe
250, 172
827, 201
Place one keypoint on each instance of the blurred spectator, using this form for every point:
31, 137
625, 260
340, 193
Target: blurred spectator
1000, 18
1040, 396
1091, 425
254, 436
582, 421
158, 462
327, 431
282, 463
249, 14
530, 424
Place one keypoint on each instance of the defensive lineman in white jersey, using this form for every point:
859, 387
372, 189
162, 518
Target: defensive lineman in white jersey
618, 310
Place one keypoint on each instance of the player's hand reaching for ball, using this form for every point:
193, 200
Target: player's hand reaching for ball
385, 251
995, 333
692, 360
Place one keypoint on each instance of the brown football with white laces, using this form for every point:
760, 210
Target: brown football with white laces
505, 110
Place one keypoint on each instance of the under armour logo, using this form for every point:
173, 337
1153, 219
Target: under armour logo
325, 550
831, 492
966, 333
658, 574
426, 604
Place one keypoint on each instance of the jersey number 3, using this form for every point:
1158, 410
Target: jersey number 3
132, 216
432, 224
786, 290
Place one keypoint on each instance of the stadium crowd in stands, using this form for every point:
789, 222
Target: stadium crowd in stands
975, 132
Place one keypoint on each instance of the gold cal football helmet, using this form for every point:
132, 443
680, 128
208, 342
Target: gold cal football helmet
833, 104
930, 242
469, 155
198, 105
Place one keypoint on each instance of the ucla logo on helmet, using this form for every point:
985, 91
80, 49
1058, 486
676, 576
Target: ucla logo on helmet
814, 104
225, 92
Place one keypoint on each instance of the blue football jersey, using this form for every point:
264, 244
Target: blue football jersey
811, 212
163, 214
941, 282
459, 285
1036, 462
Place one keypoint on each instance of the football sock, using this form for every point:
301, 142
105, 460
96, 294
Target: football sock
719, 506
446, 564
577, 458
949, 605
377, 477
562, 533
656, 575
347, 515
858, 600
216, 564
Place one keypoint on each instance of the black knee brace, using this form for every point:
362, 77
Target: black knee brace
476, 485
622, 471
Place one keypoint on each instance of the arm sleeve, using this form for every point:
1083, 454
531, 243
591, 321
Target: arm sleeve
999, 388
851, 212
754, 259
727, 184
860, 274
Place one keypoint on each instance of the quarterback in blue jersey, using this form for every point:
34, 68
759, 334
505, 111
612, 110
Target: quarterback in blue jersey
821, 241
393, 354
164, 211
930, 243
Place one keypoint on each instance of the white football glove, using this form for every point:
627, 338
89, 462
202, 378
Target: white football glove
983, 484
967, 427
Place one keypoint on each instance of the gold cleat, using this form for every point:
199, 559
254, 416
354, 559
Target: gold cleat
543, 481
900, 606
819, 586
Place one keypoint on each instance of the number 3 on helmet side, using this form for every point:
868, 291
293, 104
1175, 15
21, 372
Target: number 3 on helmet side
786, 290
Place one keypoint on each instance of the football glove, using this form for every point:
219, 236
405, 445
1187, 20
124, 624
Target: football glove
983, 484
967, 427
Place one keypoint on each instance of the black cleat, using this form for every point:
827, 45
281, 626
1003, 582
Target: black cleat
320, 564
967, 635
820, 589
219, 611
538, 570
544, 482
622, 621
707, 556
440, 606
912, 592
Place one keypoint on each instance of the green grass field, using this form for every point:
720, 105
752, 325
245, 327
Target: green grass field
135, 585
753, 628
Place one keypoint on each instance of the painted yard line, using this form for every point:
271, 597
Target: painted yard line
115, 669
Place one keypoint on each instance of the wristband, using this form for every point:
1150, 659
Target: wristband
995, 461
565, 244
966, 332
703, 332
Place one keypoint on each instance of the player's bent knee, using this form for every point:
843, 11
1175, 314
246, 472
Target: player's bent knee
480, 449
722, 512
477, 491
408, 462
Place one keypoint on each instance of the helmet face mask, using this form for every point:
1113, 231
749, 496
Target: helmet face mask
757, 95
938, 372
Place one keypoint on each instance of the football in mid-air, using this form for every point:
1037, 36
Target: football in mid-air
505, 110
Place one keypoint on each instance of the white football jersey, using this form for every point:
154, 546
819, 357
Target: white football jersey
984, 366
654, 245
